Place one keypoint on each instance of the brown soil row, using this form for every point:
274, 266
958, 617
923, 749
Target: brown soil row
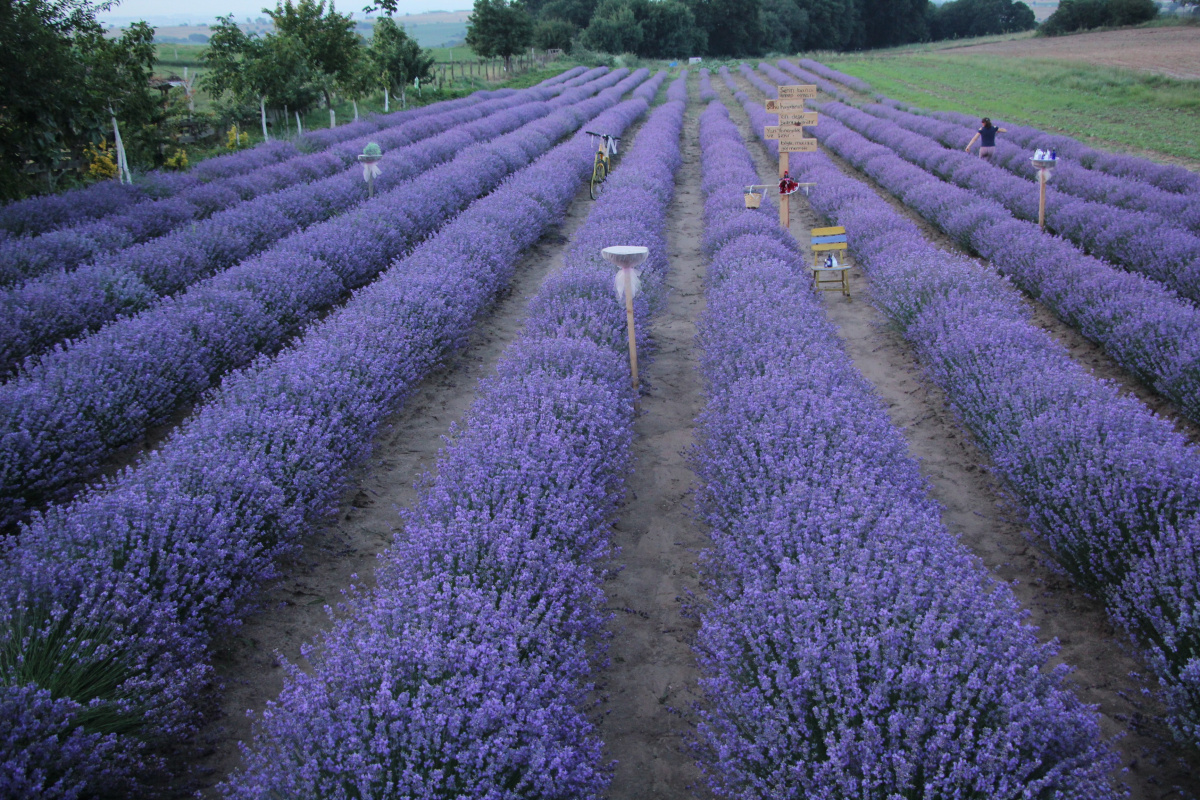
1171, 51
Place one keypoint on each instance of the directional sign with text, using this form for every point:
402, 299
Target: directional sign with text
798, 92
775, 106
798, 118
797, 145
783, 133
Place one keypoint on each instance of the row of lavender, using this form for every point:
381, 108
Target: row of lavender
1112, 488
66, 248
851, 647
467, 674
1169, 209
1143, 326
61, 419
110, 603
1135, 240
45, 311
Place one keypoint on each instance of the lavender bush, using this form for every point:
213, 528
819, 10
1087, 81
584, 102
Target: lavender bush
466, 673
45, 311
67, 413
851, 647
176, 548
1110, 487
707, 93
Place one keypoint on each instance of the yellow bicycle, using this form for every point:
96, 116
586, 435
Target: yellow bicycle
602, 165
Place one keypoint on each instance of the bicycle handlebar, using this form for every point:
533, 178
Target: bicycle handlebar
604, 135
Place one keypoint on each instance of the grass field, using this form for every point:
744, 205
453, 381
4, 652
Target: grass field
1133, 111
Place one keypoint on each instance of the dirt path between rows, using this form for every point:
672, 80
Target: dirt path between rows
977, 510
651, 683
343, 552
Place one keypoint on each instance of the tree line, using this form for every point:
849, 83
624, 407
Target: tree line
732, 28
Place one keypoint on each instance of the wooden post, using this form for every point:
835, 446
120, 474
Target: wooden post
1042, 199
629, 324
785, 211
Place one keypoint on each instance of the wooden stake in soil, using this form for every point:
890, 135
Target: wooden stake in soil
627, 284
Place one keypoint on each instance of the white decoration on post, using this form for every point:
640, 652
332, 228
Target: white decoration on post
628, 284
370, 157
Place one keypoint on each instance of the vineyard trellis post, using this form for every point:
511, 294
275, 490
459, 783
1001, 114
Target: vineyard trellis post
790, 134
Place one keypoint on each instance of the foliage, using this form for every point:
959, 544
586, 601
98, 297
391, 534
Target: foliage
177, 160
235, 139
328, 40
397, 58
647, 28
960, 19
499, 28
59, 78
102, 163
1075, 15
733, 26
552, 34
784, 26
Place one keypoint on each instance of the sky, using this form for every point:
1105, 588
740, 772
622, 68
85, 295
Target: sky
165, 11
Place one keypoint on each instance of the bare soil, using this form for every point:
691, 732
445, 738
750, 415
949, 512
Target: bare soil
1106, 670
651, 683
1173, 51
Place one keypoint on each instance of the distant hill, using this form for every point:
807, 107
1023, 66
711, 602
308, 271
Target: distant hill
430, 29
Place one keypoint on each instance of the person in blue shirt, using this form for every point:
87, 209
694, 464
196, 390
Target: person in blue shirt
987, 138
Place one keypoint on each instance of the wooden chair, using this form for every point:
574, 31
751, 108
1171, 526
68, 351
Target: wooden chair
824, 242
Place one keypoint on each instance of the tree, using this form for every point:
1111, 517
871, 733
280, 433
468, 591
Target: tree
670, 31
784, 25
966, 18
272, 70
732, 26
499, 28
59, 77
886, 23
1074, 15
329, 42
577, 12
554, 34
398, 59
614, 29
648, 28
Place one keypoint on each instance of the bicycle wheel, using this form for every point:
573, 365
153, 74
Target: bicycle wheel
599, 173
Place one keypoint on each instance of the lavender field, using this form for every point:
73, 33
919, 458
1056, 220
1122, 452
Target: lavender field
315, 490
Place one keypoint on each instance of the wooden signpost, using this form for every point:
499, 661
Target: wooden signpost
790, 132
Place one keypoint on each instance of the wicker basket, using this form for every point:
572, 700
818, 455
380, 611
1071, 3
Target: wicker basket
753, 199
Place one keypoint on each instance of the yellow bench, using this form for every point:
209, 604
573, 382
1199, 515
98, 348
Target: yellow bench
824, 242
